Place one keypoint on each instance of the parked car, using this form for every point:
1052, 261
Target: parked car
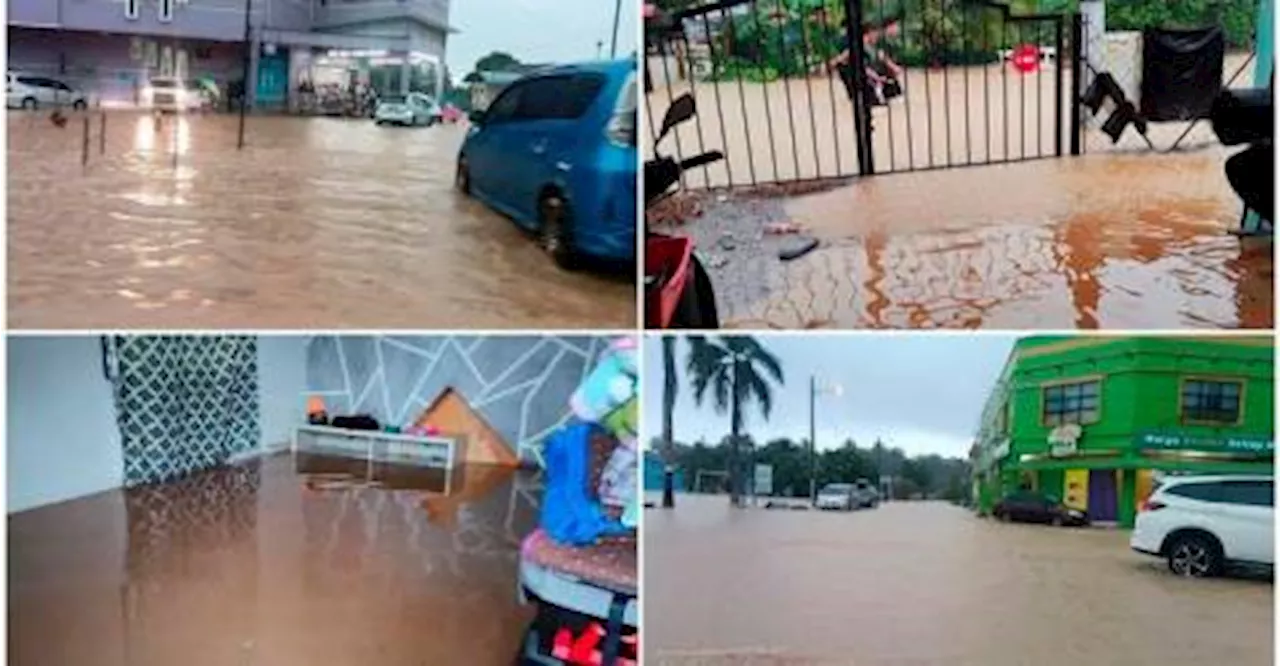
169, 94
410, 110
33, 92
866, 494
1203, 525
838, 496
1026, 506
556, 151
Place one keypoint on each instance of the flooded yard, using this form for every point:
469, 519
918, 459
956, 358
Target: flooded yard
282, 561
318, 223
1114, 241
911, 584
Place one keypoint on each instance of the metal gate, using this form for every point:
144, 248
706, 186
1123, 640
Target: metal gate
930, 84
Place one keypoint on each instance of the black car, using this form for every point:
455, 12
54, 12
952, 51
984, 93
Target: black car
1032, 507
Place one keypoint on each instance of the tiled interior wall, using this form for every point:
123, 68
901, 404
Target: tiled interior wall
520, 384
184, 403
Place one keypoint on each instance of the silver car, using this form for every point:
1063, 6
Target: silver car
33, 92
837, 496
410, 110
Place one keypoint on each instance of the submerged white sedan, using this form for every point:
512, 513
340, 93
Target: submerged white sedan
409, 110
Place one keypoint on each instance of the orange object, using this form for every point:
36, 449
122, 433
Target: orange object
315, 405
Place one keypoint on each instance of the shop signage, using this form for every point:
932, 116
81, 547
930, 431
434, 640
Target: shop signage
1064, 440
764, 480
1174, 441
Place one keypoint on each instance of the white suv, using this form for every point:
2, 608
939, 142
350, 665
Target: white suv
32, 92
1202, 524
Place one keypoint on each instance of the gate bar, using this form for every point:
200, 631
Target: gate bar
1077, 56
861, 117
1057, 88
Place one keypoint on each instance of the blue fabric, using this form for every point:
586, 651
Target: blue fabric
570, 514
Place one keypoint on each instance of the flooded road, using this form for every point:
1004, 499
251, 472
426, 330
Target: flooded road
318, 561
916, 584
1115, 241
319, 223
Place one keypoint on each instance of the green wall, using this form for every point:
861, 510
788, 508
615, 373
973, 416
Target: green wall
1140, 388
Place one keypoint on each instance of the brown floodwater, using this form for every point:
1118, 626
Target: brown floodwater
318, 223
916, 584
1116, 241
317, 560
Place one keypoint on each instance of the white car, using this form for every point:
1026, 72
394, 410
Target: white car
412, 109
33, 92
838, 496
1203, 524
169, 94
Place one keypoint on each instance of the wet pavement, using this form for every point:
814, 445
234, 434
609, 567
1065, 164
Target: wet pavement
316, 561
1116, 241
319, 223
916, 584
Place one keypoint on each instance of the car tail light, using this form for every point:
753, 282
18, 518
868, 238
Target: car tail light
1152, 505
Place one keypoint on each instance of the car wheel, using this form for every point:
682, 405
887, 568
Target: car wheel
1194, 556
79, 105
1056, 521
462, 178
553, 230
30, 104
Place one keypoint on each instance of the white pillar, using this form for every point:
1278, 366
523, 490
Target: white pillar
1094, 14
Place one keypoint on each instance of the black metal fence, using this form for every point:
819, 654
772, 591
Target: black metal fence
929, 84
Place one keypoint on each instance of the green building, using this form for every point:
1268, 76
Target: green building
1093, 419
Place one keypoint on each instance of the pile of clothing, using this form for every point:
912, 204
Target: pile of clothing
592, 483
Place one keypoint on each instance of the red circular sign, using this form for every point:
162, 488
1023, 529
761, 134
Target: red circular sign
1026, 58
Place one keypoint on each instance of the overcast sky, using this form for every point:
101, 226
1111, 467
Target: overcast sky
923, 393
543, 31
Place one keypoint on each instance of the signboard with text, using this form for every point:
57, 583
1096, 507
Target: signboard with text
1175, 441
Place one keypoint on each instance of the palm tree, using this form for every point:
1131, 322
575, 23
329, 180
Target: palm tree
670, 388
735, 368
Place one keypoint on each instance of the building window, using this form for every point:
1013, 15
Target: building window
166, 11
1211, 401
1075, 402
131, 8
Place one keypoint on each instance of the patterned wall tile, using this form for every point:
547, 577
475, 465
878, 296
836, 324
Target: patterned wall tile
520, 384
184, 403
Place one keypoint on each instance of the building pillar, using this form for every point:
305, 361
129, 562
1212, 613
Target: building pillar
1126, 513
406, 69
251, 85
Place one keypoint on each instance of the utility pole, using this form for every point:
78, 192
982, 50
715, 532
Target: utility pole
617, 14
813, 444
244, 75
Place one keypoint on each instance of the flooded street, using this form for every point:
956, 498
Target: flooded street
319, 223
915, 584
318, 560
1116, 241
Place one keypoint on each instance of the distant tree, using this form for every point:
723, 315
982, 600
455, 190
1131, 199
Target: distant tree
497, 61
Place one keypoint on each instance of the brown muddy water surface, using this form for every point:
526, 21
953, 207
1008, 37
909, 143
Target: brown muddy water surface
276, 562
916, 584
318, 223
1117, 241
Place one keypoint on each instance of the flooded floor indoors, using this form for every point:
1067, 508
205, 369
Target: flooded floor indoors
1117, 241
318, 223
285, 560
927, 583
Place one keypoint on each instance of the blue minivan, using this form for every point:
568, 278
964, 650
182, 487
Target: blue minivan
556, 151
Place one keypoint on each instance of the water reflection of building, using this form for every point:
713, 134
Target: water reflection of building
110, 47
1092, 420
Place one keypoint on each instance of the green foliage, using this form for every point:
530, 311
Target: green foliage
932, 476
1238, 18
